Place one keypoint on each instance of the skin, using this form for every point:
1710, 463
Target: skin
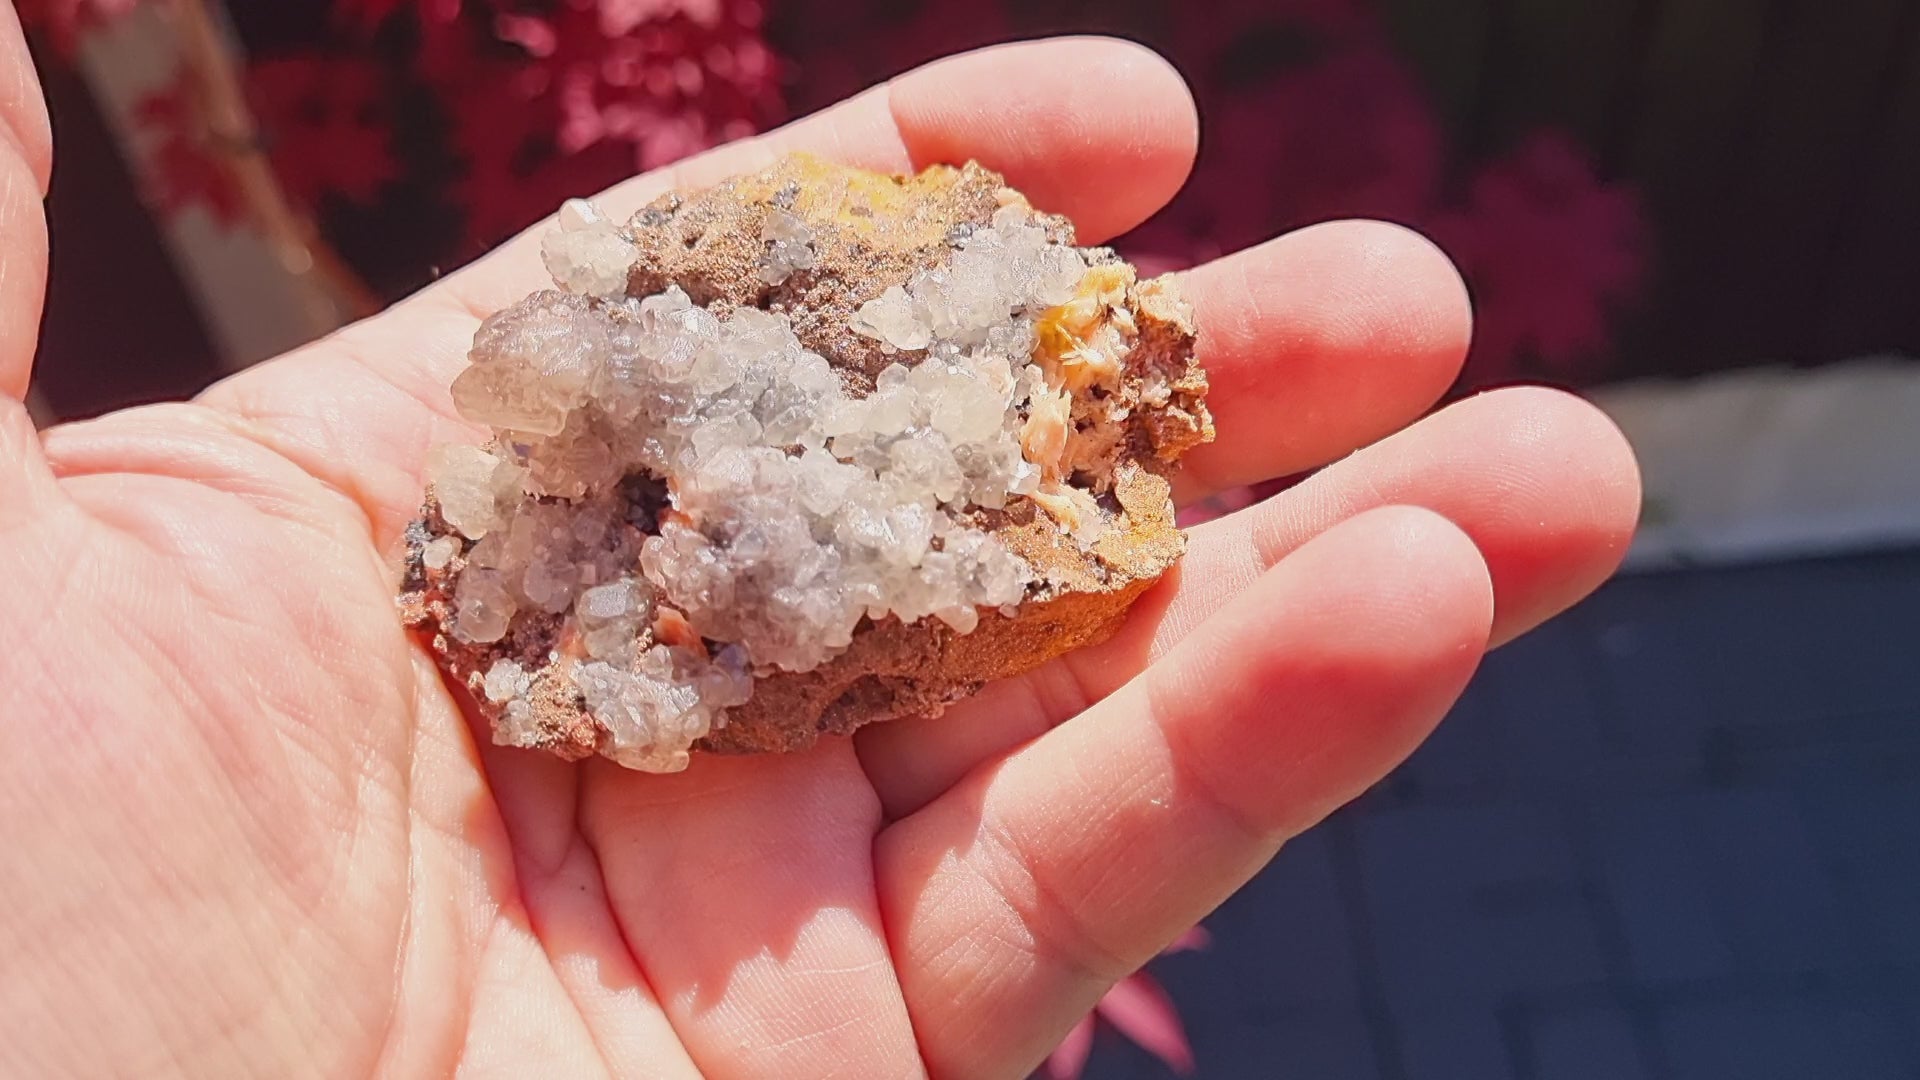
251, 832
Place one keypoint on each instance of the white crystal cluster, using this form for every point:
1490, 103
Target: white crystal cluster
985, 299
796, 508
585, 252
789, 246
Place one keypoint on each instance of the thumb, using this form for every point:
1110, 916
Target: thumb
25, 159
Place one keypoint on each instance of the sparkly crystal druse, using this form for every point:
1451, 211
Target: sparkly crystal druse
682, 498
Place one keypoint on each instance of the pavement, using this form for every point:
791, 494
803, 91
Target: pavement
1673, 835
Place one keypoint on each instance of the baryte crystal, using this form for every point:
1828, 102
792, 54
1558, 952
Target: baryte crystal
468, 482
684, 498
789, 246
437, 553
894, 317
484, 606
586, 254
506, 680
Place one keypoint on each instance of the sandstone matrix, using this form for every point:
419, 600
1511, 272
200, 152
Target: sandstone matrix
814, 448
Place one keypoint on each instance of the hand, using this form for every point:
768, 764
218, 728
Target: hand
251, 832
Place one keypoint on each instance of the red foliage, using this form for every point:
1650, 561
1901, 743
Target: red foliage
323, 119
512, 170
1345, 137
543, 99
1324, 120
559, 98
1550, 252
837, 48
368, 15
326, 126
666, 76
1310, 115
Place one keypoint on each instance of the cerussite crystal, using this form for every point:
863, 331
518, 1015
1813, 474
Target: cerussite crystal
814, 448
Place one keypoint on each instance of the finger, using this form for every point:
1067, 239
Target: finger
1543, 482
1017, 898
26, 158
361, 408
1320, 342
27, 485
563, 896
1099, 129
745, 888
23, 108
509, 917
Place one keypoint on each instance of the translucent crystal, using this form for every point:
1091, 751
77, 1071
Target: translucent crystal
894, 318
585, 252
471, 486
485, 607
506, 680
657, 710
795, 508
436, 554
789, 246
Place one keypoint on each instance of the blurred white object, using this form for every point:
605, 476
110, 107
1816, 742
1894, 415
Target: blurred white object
254, 285
1772, 463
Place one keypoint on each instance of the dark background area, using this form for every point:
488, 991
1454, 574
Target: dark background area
1775, 143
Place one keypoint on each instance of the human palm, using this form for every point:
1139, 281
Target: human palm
252, 832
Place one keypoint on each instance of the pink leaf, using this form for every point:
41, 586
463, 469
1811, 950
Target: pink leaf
1069, 1059
1139, 1009
1196, 938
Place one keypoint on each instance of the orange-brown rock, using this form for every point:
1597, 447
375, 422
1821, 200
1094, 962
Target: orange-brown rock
1121, 354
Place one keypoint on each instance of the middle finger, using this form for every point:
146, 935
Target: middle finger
1542, 482
1318, 343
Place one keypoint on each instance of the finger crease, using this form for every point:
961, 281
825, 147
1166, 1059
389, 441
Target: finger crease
1055, 930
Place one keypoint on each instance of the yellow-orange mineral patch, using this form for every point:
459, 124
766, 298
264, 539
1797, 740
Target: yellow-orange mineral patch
1082, 347
1084, 341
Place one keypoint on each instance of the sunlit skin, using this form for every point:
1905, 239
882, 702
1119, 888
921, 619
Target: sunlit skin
251, 832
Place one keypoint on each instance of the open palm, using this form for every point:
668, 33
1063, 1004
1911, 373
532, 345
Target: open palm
250, 831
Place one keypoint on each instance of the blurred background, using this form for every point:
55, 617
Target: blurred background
1673, 835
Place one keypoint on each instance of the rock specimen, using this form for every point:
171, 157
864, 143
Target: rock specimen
814, 448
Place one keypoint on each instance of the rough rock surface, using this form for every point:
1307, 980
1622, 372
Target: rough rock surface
1055, 393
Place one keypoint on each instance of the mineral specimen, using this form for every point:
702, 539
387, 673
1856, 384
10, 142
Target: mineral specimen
814, 448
